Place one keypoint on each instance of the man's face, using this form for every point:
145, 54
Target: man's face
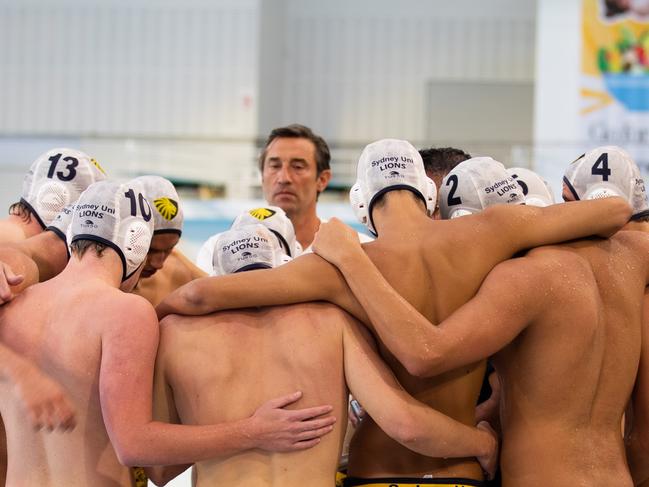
289, 177
161, 246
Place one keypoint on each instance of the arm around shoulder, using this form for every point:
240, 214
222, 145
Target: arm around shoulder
411, 423
295, 282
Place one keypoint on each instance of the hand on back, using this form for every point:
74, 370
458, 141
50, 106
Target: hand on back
44, 400
283, 430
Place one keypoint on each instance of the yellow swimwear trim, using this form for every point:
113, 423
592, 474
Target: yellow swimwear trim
412, 482
139, 476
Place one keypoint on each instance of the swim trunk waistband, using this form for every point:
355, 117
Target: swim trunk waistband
409, 481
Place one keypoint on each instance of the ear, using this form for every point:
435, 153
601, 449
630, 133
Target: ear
323, 179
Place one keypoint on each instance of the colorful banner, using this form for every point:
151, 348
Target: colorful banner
614, 92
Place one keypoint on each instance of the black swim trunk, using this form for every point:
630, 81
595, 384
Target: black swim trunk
409, 481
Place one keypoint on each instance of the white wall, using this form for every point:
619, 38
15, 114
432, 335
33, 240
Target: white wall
358, 70
143, 67
145, 85
556, 108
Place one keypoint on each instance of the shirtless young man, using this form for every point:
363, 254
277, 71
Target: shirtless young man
55, 180
100, 344
166, 268
435, 265
45, 255
564, 323
202, 354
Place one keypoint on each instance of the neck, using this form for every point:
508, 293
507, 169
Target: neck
107, 268
306, 224
400, 212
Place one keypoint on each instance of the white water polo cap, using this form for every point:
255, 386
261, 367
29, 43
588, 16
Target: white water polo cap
167, 212
56, 179
273, 218
388, 165
60, 226
476, 184
247, 248
117, 215
608, 171
536, 190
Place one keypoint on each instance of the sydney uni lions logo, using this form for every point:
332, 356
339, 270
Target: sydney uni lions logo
167, 207
262, 213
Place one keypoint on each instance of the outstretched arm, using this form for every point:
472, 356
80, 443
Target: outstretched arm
413, 424
475, 331
525, 227
307, 278
129, 345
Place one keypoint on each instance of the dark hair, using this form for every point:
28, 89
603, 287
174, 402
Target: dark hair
297, 131
442, 160
613, 8
79, 247
21, 210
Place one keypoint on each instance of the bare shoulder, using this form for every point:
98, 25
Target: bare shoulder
535, 268
127, 309
634, 239
172, 322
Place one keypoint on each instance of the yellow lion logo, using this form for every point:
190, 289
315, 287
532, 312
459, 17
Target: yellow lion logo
262, 214
167, 207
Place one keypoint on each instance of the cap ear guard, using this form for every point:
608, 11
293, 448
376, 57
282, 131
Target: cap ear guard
51, 198
459, 212
136, 239
359, 205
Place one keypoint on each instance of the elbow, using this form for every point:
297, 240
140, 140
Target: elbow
423, 365
405, 429
190, 298
157, 475
185, 300
129, 457
129, 454
620, 213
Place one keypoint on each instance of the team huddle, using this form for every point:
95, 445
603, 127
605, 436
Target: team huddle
117, 352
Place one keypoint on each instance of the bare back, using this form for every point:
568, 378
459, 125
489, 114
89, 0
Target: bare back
58, 325
436, 270
221, 367
567, 377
